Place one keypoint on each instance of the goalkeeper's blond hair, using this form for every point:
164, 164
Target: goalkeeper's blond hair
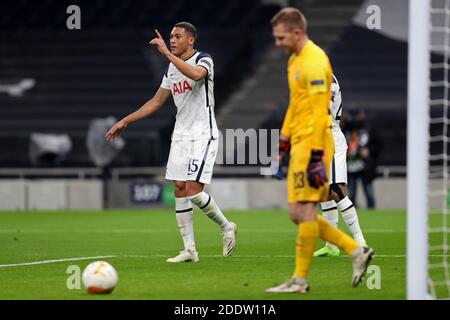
290, 18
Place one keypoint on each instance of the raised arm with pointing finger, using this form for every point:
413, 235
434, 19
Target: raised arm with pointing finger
189, 79
194, 72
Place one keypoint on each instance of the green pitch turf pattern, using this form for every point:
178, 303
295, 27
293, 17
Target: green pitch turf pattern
141, 240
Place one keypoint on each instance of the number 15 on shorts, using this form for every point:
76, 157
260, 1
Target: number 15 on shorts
193, 166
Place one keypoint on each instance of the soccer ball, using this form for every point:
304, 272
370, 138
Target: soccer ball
99, 277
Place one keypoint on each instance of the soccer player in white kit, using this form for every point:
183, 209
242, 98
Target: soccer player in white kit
190, 81
338, 181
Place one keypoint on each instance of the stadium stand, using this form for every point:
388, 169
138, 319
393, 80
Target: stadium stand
107, 68
359, 61
267, 90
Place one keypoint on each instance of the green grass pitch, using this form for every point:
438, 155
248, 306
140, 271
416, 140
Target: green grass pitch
141, 240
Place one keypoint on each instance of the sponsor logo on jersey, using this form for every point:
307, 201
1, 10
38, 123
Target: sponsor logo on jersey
181, 87
317, 82
205, 62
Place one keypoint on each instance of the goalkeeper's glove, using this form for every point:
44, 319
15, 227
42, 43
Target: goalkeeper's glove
283, 159
316, 172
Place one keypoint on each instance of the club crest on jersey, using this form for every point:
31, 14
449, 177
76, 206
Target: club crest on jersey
297, 75
181, 87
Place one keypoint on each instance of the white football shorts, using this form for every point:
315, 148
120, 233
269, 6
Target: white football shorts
339, 163
192, 160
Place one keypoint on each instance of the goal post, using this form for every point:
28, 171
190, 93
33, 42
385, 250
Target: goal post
417, 149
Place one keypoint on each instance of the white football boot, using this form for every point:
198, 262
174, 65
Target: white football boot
184, 256
229, 240
361, 259
295, 285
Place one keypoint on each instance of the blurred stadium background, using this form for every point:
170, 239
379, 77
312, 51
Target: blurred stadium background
61, 89
55, 81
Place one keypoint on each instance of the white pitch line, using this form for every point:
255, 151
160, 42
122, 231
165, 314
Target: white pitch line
206, 256
277, 256
52, 261
19, 232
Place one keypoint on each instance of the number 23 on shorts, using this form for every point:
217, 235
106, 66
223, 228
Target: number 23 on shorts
299, 180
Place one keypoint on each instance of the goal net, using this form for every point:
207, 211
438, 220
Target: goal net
428, 153
439, 197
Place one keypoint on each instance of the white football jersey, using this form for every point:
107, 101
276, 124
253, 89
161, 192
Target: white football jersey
336, 104
340, 143
194, 100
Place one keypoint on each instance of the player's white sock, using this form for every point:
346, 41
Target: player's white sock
350, 217
184, 215
207, 204
330, 212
